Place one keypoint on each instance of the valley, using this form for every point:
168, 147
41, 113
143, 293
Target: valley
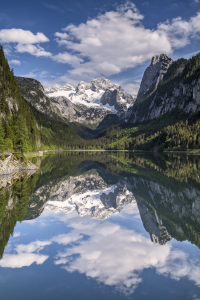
101, 115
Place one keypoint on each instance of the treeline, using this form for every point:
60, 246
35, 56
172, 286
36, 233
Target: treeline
18, 130
180, 136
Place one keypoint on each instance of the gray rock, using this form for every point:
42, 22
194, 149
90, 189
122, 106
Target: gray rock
154, 74
11, 165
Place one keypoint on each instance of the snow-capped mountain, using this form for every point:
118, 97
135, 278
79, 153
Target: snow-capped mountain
90, 102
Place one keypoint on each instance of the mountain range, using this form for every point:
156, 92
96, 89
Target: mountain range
101, 115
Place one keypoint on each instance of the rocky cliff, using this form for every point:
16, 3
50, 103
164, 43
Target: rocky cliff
33, 92
167, 86
154, 74
88, 103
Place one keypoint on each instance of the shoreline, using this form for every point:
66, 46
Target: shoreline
40, 153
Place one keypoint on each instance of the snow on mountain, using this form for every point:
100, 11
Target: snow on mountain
91, 101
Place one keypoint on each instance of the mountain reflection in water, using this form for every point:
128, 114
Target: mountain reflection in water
100, 209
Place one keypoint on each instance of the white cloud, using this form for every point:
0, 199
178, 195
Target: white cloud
24, 41
131, 88
112, 42
32, 49
61, 35
17, 35
179, 32
196, 1
117, 40
35, 74
16, 234
15, 62
67, 58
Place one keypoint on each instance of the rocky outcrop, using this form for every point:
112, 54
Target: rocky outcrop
175, 87
88, 104
58, 87
92, 101
154, 74
33, 92
12, 165
117, 98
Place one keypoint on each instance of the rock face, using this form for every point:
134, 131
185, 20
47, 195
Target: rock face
11, 165
91, 101
88, 104
33, 91
154, 74
176, 86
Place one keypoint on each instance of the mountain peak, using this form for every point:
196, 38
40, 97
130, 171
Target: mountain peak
154, 73
158, 58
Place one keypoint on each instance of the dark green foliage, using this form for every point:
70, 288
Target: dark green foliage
55, 134
18, 131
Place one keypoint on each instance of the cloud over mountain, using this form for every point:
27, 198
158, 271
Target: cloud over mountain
117, 40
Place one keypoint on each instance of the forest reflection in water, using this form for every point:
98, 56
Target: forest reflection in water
87, 190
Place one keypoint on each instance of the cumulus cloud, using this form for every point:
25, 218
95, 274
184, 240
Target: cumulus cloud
16, 234
113, 41
68, 58
15, 62
35, 74
32, 49
132, 88
24, 41
117, 40
179, 32
17, 35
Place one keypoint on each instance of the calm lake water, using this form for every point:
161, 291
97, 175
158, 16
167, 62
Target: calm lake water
102, 226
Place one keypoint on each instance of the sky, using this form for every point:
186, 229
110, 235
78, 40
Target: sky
65, 41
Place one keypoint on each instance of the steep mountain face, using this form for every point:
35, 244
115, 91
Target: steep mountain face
167, 86
34, 93
154, 74
90, 102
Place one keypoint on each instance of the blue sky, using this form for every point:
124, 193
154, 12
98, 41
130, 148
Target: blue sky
69, 41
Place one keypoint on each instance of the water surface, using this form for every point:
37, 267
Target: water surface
102, 226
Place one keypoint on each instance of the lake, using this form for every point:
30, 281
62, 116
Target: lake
102, 225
